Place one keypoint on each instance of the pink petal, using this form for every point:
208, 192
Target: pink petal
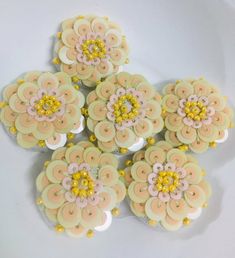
94, 200
176, 195
113, 98
183, 185
72, 168
197, 124
84, 166
157, 167
41, 93
204, 100
31, 111
181, 112
207, 121
188, 121
164, 197
120, 92
182, 103
152, 191
193, 98
111, 116
170, 166
152, 178
67, 183
210, 111
81, 202
182, 172
33, 100
98, 186
69, 197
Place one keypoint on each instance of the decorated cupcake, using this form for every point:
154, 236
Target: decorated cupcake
166, 186
124, 112
42, 109
196, 115
89, 48
80, 189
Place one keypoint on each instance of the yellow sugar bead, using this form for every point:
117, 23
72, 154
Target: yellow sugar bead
70, 136
90, 233
135, 111
13, 130
186, 221
200, 104
131, 115
213, 144
123, 150
187, 110
56, 61
20, 81
48, 112
59, 34
39, 201
74, 183
165, 189
205, 205
121, 172
172, 188
203, 173
160, 179
159, 187
70, 145
90, 192
84, 182
197, 118
2, 104
41, 143
193, 104
119, 119
80, 17
123, 109
92, 138
152, 223
115, 212
117, 113
59, 228
91, 185
151, 140
76, 176
162, 173
46, 163
82, 193
128, 162
187, 104
124, 116
75, 191
166, 181
83, 173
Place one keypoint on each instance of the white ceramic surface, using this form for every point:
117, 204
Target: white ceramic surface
168, 39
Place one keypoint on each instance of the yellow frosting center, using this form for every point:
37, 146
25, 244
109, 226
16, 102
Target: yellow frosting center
47, 105
195, 110
94, 48
126, 108
82, 184
167, 181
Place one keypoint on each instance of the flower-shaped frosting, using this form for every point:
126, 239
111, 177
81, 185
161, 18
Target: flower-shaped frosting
90, 48
196, 115
166, 185
80, 189
42, 109
124, 110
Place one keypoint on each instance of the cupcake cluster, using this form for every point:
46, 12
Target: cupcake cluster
80, 189
90, 112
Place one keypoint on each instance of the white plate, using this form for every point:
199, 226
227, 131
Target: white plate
168, 39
